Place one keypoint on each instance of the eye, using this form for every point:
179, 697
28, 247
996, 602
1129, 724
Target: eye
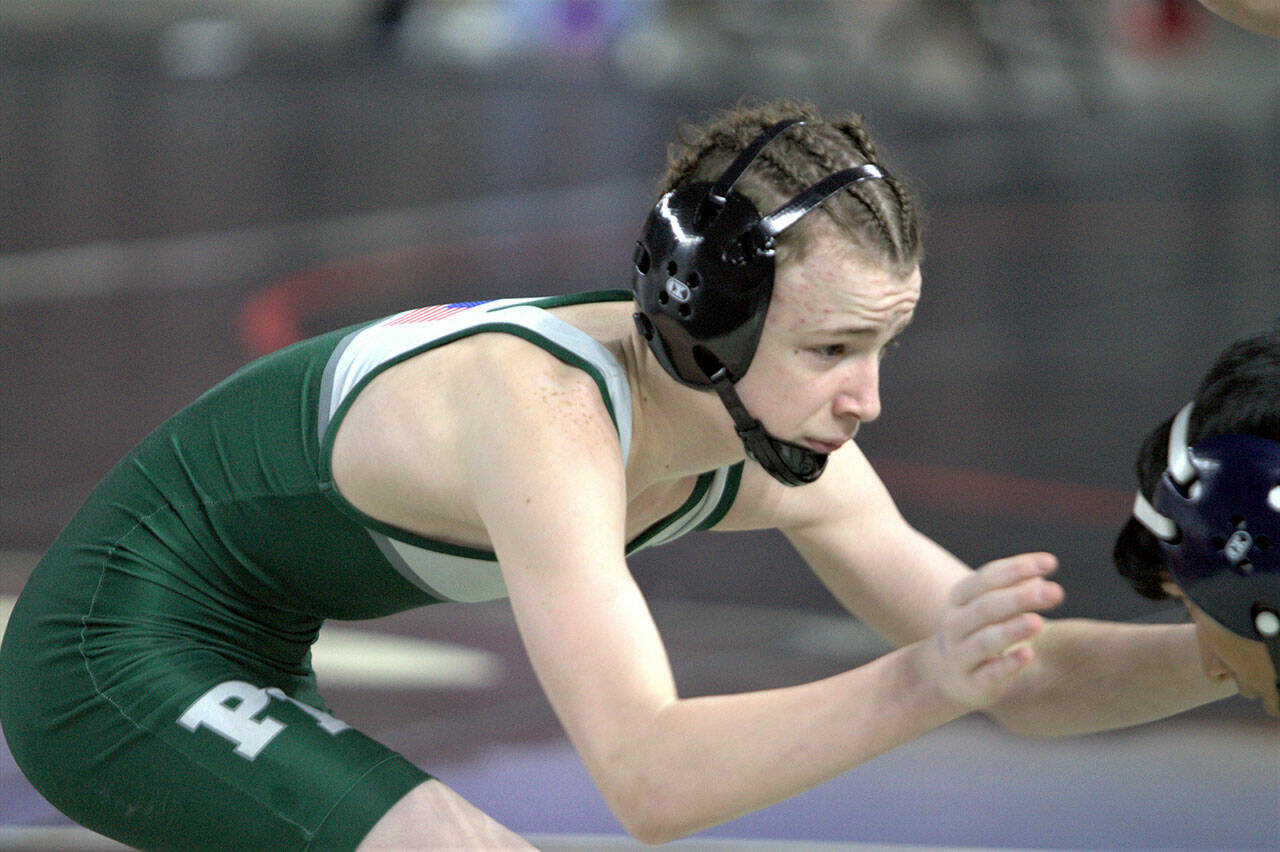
833, 350
892, 344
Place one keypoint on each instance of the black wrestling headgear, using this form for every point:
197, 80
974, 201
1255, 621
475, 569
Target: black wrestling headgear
703, 278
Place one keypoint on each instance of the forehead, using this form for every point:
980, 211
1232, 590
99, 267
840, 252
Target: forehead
838, 281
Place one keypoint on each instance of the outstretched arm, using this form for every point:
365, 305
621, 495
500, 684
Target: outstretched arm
1084, 676
1096, 675
553, 502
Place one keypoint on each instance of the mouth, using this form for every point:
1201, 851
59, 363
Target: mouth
826, 447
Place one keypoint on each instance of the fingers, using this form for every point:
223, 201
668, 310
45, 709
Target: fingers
987, 661
997, 639
1002, 573
994, 610
1002, 605
996, 671
989, 618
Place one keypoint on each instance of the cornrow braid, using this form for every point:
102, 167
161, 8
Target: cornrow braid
712, 148
860, 191
881, 218
857, 134
906, 241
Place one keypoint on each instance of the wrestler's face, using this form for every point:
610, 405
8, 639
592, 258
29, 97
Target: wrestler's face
1225, 654
815, 377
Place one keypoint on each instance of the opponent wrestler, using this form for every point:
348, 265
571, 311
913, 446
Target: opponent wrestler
1206, 525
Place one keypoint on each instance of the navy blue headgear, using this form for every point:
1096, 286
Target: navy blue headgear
703, 279
1216, 512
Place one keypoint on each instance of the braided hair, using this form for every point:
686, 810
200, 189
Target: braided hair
879, 216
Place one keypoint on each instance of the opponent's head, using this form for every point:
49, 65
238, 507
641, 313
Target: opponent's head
1207, 516
705, 263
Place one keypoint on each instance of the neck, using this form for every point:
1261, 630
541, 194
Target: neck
677, 431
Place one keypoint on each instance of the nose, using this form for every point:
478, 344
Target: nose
858, 395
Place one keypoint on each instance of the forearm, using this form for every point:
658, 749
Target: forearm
702, 761
1094, 675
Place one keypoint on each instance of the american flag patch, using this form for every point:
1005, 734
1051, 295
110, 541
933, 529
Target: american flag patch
433, 312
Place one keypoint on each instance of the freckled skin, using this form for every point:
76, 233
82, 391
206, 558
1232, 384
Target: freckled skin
799, 394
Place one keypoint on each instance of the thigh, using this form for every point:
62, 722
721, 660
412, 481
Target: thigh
166, 742
432, 816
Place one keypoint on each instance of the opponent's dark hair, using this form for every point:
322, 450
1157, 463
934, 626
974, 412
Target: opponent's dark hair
1240, 394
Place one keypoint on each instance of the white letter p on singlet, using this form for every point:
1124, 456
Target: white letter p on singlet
228, 710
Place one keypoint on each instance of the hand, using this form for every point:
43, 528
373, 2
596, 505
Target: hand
990, 616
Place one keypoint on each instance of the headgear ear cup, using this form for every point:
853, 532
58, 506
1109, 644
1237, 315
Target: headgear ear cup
703, 279
701, 287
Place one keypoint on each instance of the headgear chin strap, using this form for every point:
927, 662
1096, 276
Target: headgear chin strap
1216, 512
703, 281
790, 464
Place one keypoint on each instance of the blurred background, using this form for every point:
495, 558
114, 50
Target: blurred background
187, 184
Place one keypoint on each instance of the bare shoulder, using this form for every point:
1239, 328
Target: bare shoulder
849, 488
424, 434
534, 401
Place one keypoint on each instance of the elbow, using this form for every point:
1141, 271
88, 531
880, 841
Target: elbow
652, 787
650, 833
650, 812
650, 823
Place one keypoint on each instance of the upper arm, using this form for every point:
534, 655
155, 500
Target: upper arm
849, 531
549, 487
